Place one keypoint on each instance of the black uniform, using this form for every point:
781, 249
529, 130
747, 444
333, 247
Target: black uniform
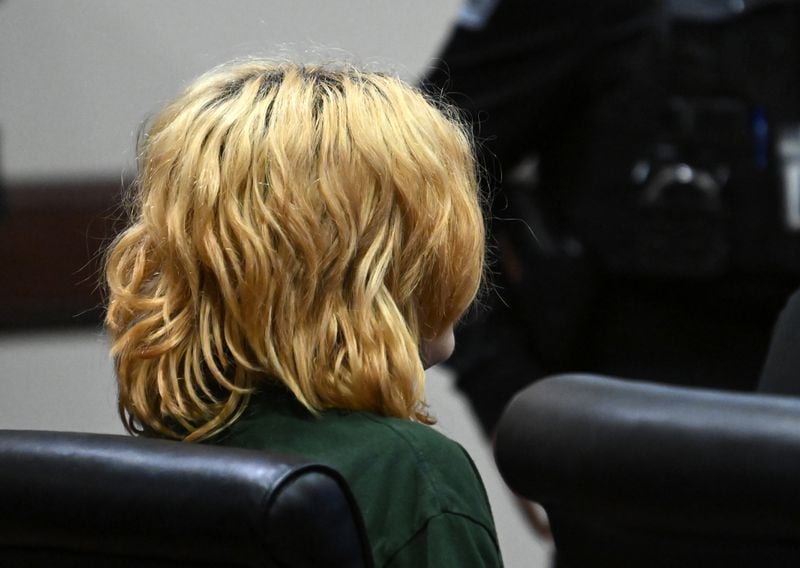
644, 238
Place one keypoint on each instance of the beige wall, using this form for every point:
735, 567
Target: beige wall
78, 76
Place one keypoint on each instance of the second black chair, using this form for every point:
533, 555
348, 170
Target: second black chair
645, 475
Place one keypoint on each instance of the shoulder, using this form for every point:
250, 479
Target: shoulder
449, 519
441, 465
421, 441
418, 443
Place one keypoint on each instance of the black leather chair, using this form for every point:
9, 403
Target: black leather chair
781, 372
71, 499
645, 475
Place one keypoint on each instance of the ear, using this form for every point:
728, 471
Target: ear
433, 351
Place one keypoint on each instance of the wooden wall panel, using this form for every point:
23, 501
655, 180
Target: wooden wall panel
51, 241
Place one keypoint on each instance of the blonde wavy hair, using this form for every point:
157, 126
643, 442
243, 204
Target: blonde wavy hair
306, 225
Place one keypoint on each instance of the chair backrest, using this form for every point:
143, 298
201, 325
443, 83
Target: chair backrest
639, 474
70, 499
781, 371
